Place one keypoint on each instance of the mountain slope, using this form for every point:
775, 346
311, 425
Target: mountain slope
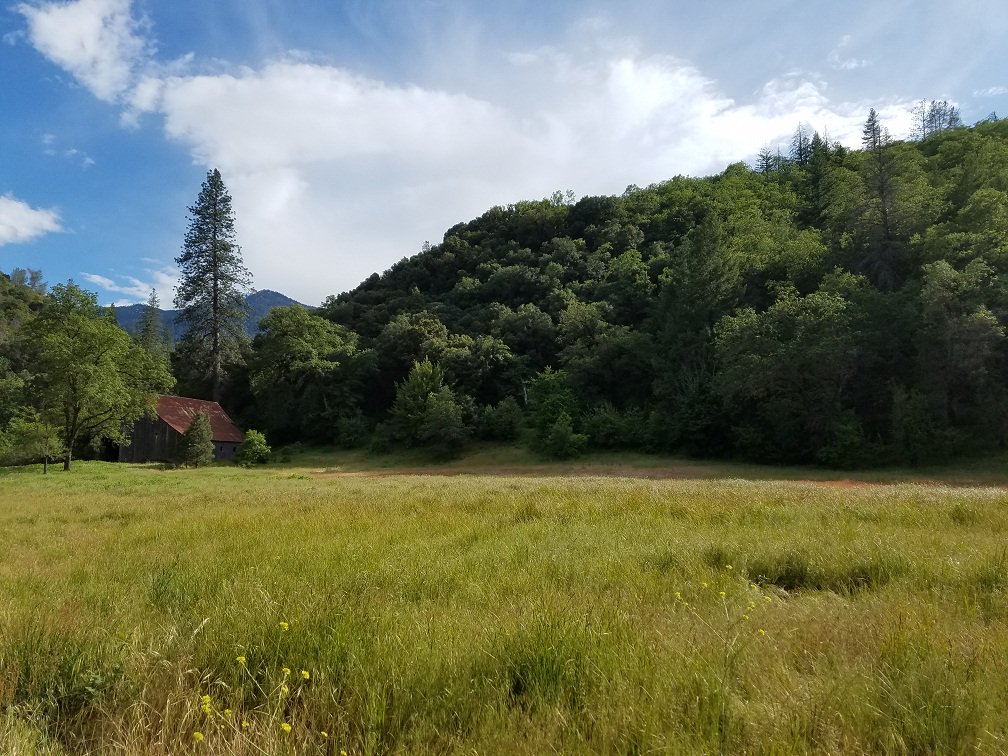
259, 302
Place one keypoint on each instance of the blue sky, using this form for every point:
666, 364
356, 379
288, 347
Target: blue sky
351, 132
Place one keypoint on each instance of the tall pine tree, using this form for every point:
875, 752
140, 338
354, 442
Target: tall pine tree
213, 282
150, 335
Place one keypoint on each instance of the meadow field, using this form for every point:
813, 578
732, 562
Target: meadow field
312, 607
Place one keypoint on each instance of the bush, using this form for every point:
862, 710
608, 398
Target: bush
502, 422
549, 396
608, 428
253, 450
561, 442
845, 445
443, 432
916, 433
352, 429
551, 404
426, 413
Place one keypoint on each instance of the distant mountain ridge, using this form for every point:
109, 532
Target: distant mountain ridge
259, 302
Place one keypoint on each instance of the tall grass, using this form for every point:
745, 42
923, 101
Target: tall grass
231, 611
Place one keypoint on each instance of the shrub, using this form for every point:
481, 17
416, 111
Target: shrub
551, 404
352, 429
426, 413
288, 452
561, 442
845, 444
253, 450
550, 395
608, 428
501, 422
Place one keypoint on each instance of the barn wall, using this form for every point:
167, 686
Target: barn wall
156, 441
224, 449
151, 441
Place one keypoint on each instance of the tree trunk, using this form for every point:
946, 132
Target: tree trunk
66, 460
45, 465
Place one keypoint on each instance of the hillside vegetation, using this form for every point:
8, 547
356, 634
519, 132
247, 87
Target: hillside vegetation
838, 306
832, 306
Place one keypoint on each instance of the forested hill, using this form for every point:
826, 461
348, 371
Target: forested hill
828, 305
259, 303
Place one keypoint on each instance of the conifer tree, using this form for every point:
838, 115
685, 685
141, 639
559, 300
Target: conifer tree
213, 281
150, 335
884, 259
197, 442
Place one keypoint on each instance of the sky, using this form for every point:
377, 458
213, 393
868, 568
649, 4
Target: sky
350, 132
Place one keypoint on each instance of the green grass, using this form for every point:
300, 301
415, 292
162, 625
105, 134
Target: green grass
499, 613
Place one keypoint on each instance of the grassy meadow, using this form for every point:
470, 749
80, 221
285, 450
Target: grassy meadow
297, 609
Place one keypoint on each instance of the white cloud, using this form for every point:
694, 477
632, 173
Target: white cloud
841, 62
990, 92
335, 175
97, 41
19, 222
161, 280
52, 149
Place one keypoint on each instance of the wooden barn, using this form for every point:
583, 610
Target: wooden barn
157, 439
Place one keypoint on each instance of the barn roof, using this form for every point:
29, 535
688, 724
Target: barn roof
179, 411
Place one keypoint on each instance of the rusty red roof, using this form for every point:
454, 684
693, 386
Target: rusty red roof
179, 411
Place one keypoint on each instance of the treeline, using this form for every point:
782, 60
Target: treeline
70, 378
833, 306
830, 305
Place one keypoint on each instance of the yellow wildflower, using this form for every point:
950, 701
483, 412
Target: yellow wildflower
286, 671
245, 724
197, 736
762, 631
240, 660
285, 727
305, 675
284, 690
722, 594
324, 734
227, 712
285, 626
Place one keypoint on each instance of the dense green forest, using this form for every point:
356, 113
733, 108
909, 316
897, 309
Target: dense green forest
827, 305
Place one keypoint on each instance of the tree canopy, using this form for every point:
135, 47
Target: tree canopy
793, 311
83, 374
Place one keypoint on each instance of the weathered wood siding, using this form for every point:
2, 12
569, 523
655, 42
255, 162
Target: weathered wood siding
153, 440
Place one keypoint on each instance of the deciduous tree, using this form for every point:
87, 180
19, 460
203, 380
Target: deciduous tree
87, 376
